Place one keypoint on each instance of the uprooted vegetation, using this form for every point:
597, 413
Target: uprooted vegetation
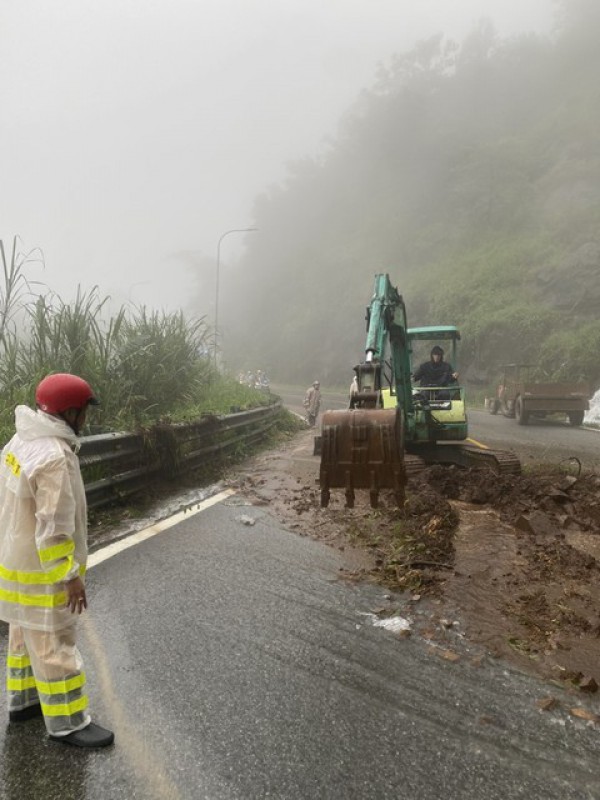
410, 547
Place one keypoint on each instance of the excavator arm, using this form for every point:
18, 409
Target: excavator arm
386, 330
363, 448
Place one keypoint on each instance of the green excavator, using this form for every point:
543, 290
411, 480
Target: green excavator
393, 427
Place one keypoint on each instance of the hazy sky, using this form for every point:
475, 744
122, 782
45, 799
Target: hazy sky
136, 130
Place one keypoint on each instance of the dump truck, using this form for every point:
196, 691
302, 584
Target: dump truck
392, 425
520, 397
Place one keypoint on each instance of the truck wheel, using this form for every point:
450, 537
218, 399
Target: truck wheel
521, 415
506, 410
575, 418
493, 405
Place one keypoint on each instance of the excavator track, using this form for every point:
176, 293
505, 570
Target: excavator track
413, 465
501, 462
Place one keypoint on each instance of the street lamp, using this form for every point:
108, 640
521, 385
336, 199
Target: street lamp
234, 230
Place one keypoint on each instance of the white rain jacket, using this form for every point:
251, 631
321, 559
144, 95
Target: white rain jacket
43, 521
312, 401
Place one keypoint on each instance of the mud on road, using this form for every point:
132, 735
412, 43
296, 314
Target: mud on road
516, 558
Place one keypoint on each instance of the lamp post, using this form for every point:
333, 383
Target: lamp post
233, 230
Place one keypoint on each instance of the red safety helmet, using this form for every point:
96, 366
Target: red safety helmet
57, 393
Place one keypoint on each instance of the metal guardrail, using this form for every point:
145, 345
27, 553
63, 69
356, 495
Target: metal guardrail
128, 462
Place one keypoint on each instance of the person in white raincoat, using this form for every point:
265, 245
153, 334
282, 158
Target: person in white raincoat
43, 553
354, 390
312, 403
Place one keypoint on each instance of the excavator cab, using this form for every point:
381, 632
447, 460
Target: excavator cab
446, 404
440, 411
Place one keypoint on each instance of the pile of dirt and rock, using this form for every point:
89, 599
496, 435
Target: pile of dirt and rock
516, 558
527, 569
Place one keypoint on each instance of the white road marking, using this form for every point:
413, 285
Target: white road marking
140, 536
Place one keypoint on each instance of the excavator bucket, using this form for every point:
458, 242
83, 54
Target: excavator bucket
362, 449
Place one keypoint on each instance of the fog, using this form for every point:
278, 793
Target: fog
134, 134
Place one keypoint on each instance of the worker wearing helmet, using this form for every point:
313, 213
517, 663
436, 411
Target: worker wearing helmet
312, 403
436, 371
43, 553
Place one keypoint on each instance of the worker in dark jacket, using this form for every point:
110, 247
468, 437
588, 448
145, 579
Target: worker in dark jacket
436, 371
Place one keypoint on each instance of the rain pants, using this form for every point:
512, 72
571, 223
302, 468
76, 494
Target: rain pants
43, 543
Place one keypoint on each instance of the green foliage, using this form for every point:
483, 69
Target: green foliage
572, 354
145, 366
157, 363
471, 174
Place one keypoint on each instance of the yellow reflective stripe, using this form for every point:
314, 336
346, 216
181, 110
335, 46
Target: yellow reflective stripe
52, 576
12, 463
56, 551
20, 684
62, 687
82, 569
18, 662
65, 709
41, 600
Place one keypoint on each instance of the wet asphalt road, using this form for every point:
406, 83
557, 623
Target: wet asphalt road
234, 663
549, 440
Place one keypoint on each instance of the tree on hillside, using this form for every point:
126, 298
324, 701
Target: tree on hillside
467, 172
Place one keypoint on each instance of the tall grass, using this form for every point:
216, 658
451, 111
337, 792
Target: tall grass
144, 365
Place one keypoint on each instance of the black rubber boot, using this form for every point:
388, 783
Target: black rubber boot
23, 714
92, 736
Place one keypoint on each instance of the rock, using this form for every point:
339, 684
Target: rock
567, 482
523, 524
537, 523
548, 504
583, 713
449, 655
558, 495
588, 684
547, 703
566, 521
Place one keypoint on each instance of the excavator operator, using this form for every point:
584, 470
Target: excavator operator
436, 372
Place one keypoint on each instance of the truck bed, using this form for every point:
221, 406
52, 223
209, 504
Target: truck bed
556, 390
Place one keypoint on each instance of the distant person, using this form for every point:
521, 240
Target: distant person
312, 403
353, 391
43, 552
436, 372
